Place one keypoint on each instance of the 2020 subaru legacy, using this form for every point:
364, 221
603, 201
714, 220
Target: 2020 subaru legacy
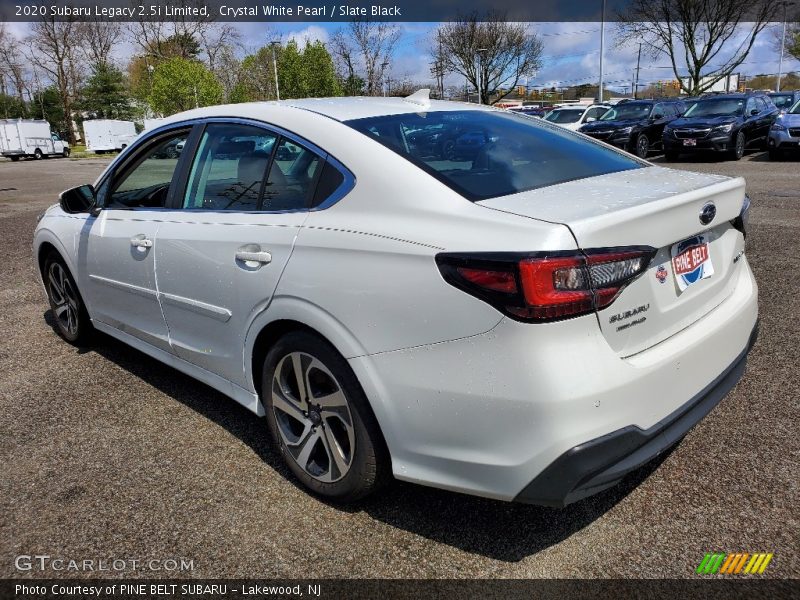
529, 322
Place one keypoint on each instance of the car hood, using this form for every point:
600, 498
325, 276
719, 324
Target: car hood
789, 120
701, 122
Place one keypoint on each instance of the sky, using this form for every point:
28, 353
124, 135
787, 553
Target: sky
571, 52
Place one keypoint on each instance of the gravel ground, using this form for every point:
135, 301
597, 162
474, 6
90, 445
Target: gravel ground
109, 454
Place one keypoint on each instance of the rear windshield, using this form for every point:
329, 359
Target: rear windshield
568, 115
486, 154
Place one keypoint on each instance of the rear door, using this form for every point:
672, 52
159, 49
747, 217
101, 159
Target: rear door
222, 250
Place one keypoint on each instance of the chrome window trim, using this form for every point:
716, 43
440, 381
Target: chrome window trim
347, 185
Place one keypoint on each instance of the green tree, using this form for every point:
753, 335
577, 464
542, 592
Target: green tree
11, 107
291, 71
319, 72
180, 84
105, 93
46, 104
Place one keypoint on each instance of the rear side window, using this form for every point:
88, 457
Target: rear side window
229, 168
485, 154
329, 181
291, 178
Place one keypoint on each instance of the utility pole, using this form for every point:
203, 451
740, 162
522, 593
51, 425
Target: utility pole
638, 59
602, 43
783, 43
275, 44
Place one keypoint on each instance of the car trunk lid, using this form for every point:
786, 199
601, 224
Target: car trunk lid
654, 207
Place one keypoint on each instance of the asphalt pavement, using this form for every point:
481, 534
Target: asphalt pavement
108, 454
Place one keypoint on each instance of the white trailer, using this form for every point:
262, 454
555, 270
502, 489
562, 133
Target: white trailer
108, 135
152, 123
20, 138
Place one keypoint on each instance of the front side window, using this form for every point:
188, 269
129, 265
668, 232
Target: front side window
510, 154
782, 100
145, 182
596, 113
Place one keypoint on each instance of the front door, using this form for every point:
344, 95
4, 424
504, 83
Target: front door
117, 248
220, 254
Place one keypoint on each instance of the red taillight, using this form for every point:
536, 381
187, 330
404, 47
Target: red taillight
546, 287
499, 281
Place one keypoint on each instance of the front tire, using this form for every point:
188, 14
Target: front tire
320, 419
642, 146
65, 153
775, 154
671, 155
738, 147
69, 311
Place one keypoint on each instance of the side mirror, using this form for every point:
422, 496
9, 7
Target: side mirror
657, 116
80, 199
590, 119
754, 111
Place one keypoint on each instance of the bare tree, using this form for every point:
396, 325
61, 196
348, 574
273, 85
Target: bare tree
490, 52
704, 39
51, 48
11, 66
216, 39
98, 40
364, 49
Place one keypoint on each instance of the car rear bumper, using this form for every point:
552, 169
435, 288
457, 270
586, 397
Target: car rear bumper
488, 414
596, 465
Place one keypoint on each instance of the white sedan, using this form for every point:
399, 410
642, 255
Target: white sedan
573, 116
528, 319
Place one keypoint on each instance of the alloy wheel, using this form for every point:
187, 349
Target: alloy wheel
642, 146
313, 417
64, 297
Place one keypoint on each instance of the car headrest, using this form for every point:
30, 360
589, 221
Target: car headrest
234, 149
252, 168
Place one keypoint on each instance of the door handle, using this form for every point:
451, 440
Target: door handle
249, 256
141, 242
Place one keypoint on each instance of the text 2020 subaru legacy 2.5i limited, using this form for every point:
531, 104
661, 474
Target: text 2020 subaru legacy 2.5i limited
530, 323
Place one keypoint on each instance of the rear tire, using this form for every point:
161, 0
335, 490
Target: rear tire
326, 431
69, 311
37, 154
14, 158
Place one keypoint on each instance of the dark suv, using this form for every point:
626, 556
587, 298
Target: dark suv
727, 123
784, 100
635, 126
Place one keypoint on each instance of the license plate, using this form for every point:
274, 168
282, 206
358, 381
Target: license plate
690, 142
691, 261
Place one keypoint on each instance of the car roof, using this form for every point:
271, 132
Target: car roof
338, 109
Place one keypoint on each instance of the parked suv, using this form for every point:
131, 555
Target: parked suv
784, 134
635, 126
727, 123
785, 100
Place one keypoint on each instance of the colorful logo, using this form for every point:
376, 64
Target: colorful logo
734, 564
661, 274
691, 261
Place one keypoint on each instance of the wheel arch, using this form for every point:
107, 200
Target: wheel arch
288, 313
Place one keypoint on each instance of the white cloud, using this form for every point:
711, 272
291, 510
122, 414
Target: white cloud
312, 33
